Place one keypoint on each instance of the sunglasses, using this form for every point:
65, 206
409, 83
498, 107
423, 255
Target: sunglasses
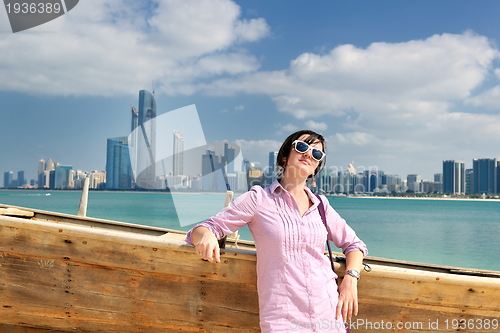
302, 147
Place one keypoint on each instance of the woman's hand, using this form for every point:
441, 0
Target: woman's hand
348, 298
206, 244
348, 290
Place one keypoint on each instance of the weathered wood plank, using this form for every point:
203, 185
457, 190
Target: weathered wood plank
396, 295
68, 278
16, 212
59, 277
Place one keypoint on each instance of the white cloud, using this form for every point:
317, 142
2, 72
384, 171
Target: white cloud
390, 100
286, 129
258, 150
356, 138
316, 126
411, 77
118, 46
489, 99
257, 146
239, 107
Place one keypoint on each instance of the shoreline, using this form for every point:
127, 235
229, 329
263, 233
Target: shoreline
423, 198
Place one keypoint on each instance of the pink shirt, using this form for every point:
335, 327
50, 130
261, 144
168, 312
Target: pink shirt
295, 282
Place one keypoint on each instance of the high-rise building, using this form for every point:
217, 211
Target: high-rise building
358, 180
453, 177
438, 179
414, 182
49, 165
135, 118
323, 181
245, 165
97, 179
486, 176
469, 181
178, 158
393, 182
210, 162
20, 178
118, 167
63, 179
269, 172
8, 178
273, 155
345, 182
146, 145
229, 155
41, 169
52, 179
132, 144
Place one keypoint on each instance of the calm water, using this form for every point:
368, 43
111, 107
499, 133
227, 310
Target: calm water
453, 233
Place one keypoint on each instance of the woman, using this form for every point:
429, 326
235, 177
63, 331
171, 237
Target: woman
296, 285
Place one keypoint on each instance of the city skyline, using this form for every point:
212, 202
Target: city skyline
399, 86
454, 177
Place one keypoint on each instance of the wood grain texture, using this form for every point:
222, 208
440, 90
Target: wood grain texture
67, 278
87, 277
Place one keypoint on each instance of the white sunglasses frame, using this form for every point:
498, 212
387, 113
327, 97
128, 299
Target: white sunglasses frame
309, 147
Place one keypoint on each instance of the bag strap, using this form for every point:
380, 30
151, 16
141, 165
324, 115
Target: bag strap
321, 209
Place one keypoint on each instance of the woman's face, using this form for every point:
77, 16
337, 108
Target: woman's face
302, 164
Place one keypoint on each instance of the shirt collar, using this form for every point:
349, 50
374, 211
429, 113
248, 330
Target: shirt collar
276, 188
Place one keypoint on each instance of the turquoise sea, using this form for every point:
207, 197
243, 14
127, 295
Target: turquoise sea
445, 232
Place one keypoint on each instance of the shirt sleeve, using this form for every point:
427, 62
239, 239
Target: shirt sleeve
236, 215
340, 233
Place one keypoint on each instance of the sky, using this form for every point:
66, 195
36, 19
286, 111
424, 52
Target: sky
397, 85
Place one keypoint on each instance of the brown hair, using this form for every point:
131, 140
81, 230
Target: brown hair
286, 147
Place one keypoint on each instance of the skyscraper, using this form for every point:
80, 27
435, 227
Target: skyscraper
118, 166
229, 157
7, 179
454, 177
413, 182
146, 145
209, 163
273, 155
469, 181
132, 144
269, 174
178, 158
49, 165
486, 175
135, 118
62, 177
20, 178
41, 169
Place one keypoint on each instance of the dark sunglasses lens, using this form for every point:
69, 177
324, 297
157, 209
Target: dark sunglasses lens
301, 147
317, 154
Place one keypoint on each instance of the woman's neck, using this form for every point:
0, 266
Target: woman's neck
293, 185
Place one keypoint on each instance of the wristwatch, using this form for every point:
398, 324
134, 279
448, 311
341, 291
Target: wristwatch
353, 273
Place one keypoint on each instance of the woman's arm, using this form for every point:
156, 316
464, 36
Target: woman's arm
206, 244
238, 214
348, 289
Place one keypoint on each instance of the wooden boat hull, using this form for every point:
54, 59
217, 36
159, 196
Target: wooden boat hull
62, 273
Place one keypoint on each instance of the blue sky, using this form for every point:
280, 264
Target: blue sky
398, 85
